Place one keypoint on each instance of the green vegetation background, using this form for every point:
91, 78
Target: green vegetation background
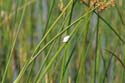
32, 48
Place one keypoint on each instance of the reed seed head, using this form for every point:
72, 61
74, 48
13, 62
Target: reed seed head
60, 5
102, 5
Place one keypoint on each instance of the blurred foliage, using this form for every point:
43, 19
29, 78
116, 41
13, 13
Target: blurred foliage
82, 59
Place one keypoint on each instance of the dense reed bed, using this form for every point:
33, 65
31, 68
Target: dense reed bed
62, 41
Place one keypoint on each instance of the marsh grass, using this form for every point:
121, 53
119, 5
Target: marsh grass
32, 48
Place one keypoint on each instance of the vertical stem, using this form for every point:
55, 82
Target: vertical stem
96, 48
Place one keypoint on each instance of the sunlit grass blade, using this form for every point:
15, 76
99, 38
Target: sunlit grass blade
13, 44
52, 26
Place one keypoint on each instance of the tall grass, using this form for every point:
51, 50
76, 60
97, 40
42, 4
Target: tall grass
32, 49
